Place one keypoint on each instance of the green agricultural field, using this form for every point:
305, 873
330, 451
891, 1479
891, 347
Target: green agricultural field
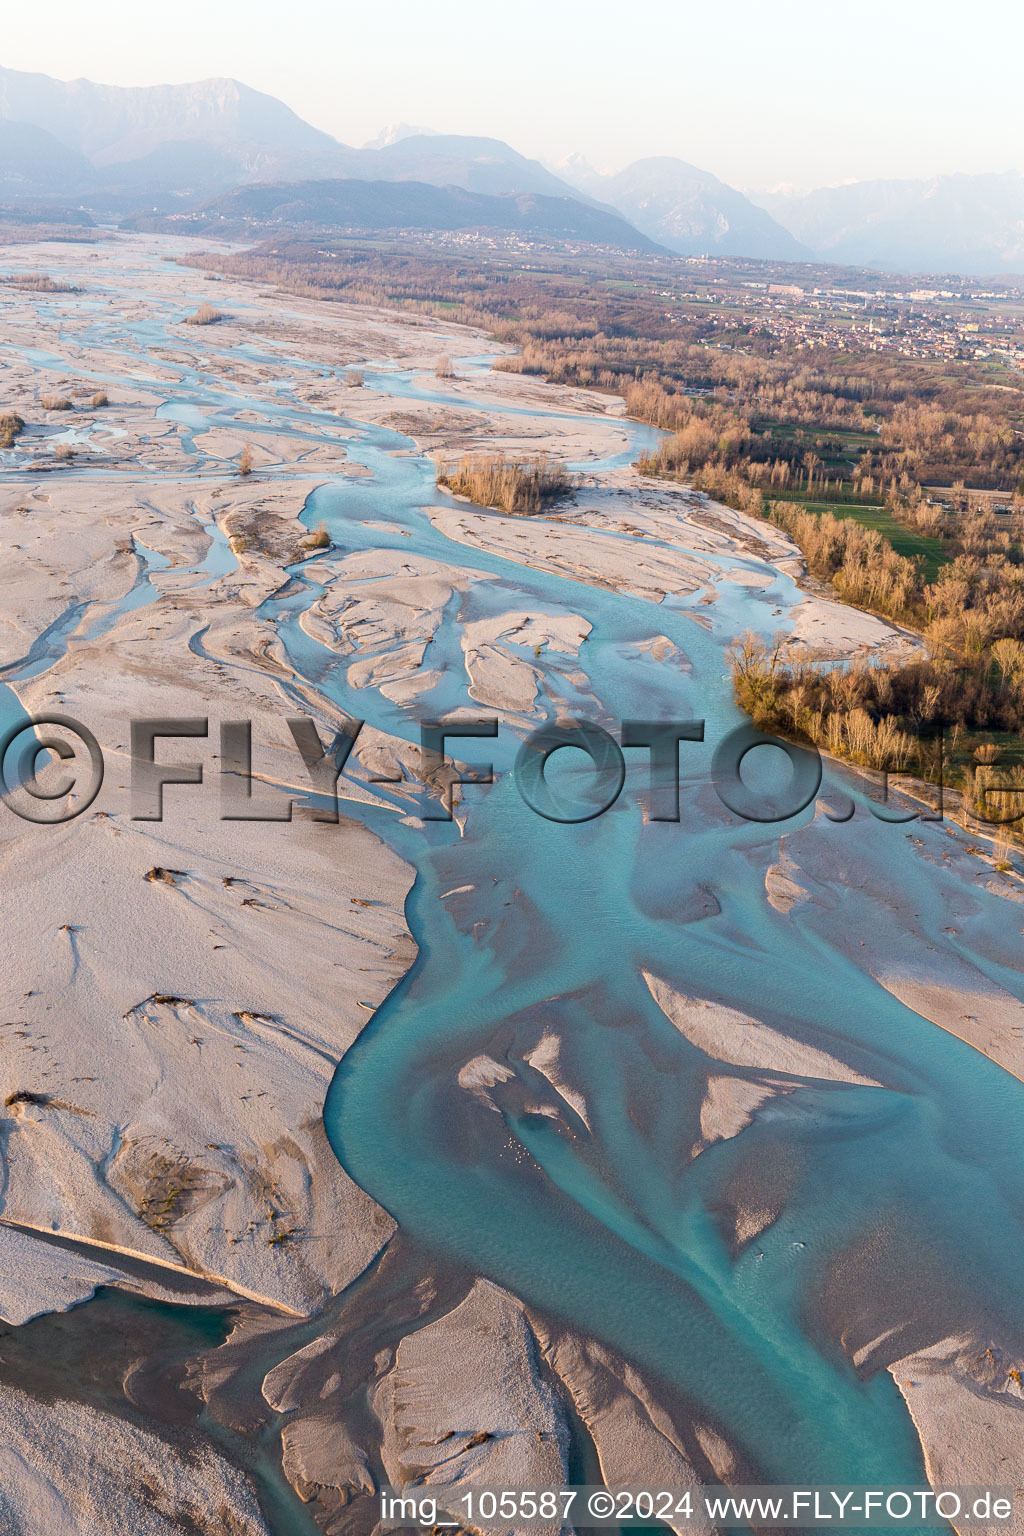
903, 540
842, 496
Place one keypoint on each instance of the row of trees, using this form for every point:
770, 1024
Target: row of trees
889, 717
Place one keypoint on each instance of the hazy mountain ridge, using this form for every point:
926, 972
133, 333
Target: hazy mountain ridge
392, 133
111, 123
957, 223
33, 162
358, 204
689, 210
455, 160
211, 135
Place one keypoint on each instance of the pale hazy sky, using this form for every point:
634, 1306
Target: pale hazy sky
761, 92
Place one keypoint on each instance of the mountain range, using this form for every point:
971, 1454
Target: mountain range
124, 151
959, 223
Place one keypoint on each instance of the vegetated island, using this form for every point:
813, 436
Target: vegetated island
520, 487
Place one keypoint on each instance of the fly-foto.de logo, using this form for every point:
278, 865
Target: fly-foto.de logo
52, 769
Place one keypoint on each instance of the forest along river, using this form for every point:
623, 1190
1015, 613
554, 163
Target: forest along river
614, 1229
